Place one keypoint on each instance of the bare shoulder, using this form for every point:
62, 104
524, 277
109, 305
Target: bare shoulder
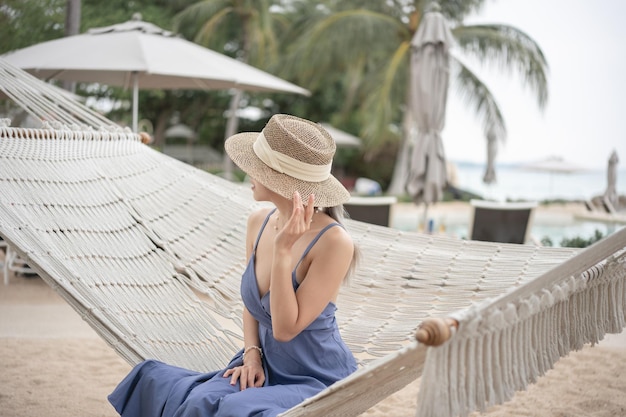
337, 238
257, 217
331, 258
255, 220
338, 234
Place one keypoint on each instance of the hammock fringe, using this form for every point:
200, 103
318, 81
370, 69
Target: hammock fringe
498, 351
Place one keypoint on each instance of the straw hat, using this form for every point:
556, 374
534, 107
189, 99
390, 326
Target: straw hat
290, 154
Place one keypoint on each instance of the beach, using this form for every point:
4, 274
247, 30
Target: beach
53, 364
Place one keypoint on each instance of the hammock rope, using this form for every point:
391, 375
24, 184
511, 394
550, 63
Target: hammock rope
150, 251
59, 115
503, 344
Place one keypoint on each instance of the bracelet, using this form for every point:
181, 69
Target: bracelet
249, 348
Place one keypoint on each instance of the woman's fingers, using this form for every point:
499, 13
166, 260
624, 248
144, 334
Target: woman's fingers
310, 209
299, 221
303, 215
296, 212
297, 199
251, 379
243, 381
234, 373
247, 376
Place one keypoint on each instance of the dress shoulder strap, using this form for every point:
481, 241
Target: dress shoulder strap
262, 228
314, 241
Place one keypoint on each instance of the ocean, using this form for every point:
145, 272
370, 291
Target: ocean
515, 183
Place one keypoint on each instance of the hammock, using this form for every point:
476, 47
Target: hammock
150, 251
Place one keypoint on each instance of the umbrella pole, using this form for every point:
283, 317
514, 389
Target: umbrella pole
232, 125
135, 99
425, 219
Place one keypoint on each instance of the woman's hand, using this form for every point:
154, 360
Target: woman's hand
298, 223
249, 375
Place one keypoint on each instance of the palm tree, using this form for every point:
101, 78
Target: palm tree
244, 29
367, 45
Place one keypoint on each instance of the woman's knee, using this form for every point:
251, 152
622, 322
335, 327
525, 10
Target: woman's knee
205, 399
251, 401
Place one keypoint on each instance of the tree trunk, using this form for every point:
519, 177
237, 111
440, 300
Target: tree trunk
231, 128
72, 27
160, 127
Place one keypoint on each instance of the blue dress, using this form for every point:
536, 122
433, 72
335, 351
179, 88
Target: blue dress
294, 370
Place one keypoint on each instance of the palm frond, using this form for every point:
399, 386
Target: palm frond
455, 11
511, 49
480, 99
190, 20
337, 41
384, 102
243, 29
209, 33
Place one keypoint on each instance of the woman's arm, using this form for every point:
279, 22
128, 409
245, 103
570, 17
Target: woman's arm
331, 257
251, 374
250, 338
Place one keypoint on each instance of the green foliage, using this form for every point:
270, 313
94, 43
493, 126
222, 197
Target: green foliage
245, 29
575, 242
353, 55
98, 13
361, 49
580, 242
27, 22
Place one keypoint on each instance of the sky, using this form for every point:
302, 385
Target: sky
584, 120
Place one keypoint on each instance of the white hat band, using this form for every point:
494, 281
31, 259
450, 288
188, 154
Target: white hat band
288, 165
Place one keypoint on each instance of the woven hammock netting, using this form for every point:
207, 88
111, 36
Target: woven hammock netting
150, 252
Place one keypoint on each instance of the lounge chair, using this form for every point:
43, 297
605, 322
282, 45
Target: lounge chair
373, 209
501, 222
608, 206
12, 263
149, 251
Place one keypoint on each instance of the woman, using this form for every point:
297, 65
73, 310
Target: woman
299, 255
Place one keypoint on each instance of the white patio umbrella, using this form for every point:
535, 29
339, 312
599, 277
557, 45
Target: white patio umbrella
138, 54
342, 138
430, 74
553, 165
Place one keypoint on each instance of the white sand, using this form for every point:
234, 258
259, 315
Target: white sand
53, 364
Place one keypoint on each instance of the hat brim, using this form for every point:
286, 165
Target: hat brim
328, 193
